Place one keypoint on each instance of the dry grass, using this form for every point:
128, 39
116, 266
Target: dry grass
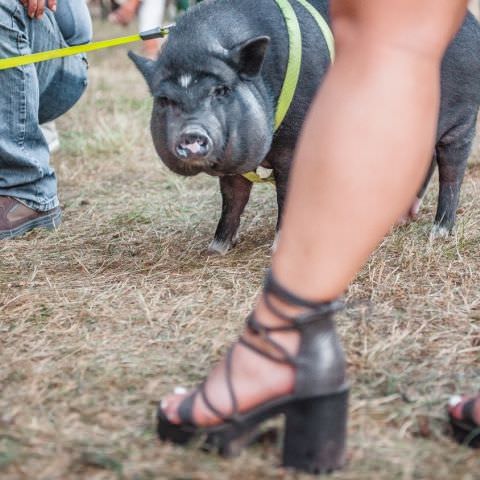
101, 318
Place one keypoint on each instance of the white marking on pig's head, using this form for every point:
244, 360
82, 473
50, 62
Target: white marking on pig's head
185, 80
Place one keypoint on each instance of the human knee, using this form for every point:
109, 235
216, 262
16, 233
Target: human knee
64, 90
73, 19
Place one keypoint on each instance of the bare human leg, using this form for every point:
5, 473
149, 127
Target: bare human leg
364, 151
126, 13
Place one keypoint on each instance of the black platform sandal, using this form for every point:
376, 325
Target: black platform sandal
465, 430
316, 411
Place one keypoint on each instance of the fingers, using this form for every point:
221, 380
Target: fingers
52, 5
36, 8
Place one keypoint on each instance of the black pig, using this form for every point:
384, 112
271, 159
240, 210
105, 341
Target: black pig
216, 86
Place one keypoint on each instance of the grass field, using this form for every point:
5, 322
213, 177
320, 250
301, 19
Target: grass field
100, 319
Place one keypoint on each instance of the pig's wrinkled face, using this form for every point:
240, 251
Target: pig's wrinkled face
211, 119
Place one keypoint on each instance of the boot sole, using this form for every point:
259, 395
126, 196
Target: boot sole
50, 222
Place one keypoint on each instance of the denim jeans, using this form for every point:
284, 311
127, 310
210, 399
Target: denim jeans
29, 96
73, 19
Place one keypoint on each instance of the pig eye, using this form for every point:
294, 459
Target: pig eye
165, 102
221, 91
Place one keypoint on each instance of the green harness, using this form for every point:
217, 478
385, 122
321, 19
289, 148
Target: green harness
292, 74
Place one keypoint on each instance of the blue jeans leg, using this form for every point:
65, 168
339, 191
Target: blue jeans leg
31, 95
73, 19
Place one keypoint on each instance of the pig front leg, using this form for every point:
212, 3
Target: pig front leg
452, 162
235, 192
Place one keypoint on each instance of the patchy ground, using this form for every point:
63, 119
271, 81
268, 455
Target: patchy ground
100, 319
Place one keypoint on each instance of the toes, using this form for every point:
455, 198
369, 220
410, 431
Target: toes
171, 403
456, 408
455, 405
454, 400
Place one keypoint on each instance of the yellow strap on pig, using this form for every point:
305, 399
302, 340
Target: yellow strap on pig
294, 64
323, 26
294, 61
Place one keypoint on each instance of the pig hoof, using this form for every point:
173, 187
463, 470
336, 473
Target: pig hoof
439, 232
219, 247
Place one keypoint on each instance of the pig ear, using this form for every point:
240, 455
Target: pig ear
248, 57
145, 65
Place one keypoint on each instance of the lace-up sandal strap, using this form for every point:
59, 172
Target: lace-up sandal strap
185, 409
315, 309
468, 411
209, 405
259, 329
272, 286
203, 394
231, 390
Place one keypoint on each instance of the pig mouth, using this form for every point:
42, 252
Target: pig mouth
201, 165
196, 147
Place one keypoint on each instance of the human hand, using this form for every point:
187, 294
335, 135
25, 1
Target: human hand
35, 8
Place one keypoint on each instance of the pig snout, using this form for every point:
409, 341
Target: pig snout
193, 144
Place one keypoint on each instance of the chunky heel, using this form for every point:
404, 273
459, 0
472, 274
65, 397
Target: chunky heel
315, 433
232, 441
315, 410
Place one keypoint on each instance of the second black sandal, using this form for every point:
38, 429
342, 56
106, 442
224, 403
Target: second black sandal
465, 430
315, 413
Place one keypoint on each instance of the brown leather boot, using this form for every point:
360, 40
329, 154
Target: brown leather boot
16, 218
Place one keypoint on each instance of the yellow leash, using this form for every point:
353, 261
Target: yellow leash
12, 62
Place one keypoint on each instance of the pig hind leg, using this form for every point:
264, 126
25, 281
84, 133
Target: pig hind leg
452, 154
235, 192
